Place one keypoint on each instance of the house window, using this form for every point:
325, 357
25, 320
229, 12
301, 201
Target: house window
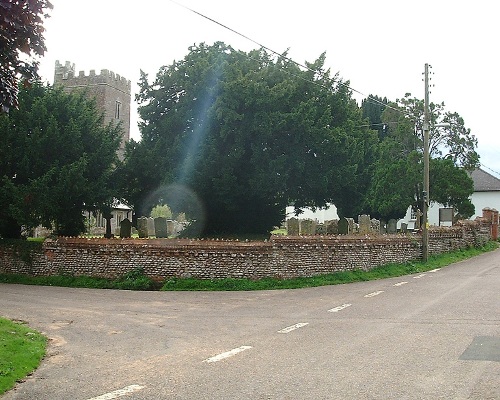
117, 109
413, 214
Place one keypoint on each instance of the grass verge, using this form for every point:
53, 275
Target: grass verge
21, 351
136, 280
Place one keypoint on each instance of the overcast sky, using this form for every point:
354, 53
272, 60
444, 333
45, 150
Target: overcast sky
381, 47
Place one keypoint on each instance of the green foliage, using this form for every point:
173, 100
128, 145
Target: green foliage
161, 211
133, 280
23, 249
21, 24
451, 186
247, 135
21, 351
373, 108
56, 160
398, 172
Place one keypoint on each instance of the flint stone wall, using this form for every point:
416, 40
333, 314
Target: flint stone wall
281, 257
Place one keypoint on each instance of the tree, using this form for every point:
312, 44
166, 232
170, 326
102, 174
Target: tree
373, 108
399, 171
56, 160
21, 27
247, 135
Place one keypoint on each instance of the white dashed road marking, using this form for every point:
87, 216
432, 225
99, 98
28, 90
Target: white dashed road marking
434, 270
400, 283
419, 276
374, 293
293, 327
339, 308
227, 354
118, 393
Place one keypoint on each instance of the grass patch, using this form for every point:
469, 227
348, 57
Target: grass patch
132, 280
21, 351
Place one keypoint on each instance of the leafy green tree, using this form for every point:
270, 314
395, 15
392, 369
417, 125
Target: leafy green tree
21, 27
451, 186
398, 176
161, 211
56, 160
247, 135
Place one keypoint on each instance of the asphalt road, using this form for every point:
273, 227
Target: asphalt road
428, 336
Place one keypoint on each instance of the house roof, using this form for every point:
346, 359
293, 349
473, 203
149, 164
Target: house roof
484, 182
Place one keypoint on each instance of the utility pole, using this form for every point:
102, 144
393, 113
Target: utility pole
426, 127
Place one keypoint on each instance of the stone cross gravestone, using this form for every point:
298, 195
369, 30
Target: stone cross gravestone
142, 227
161, 227
125, 228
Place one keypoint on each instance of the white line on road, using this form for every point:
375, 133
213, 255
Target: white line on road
374, 293
227, 354
339, 308
434, 270
118, 393
400, 283
293, 327
419, 276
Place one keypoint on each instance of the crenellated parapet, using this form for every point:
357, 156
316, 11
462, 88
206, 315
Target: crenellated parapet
65, 74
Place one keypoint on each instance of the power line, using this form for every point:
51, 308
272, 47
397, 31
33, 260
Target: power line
492, 170
368, 98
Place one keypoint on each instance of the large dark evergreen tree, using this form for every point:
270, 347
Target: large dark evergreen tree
56, 160
247, 135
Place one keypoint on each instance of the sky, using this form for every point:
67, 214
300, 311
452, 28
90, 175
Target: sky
380, 47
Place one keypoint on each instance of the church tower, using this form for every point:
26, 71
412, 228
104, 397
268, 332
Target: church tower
111, 91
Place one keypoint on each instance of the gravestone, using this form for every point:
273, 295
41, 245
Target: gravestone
332, 227
383, 227
353, 227
125, 228
375, 225
151, 226
364, 224
343, 227
307, 227
392, 226
292, 227
142, 227
171, 228
404, 227
418, 220
161, 230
